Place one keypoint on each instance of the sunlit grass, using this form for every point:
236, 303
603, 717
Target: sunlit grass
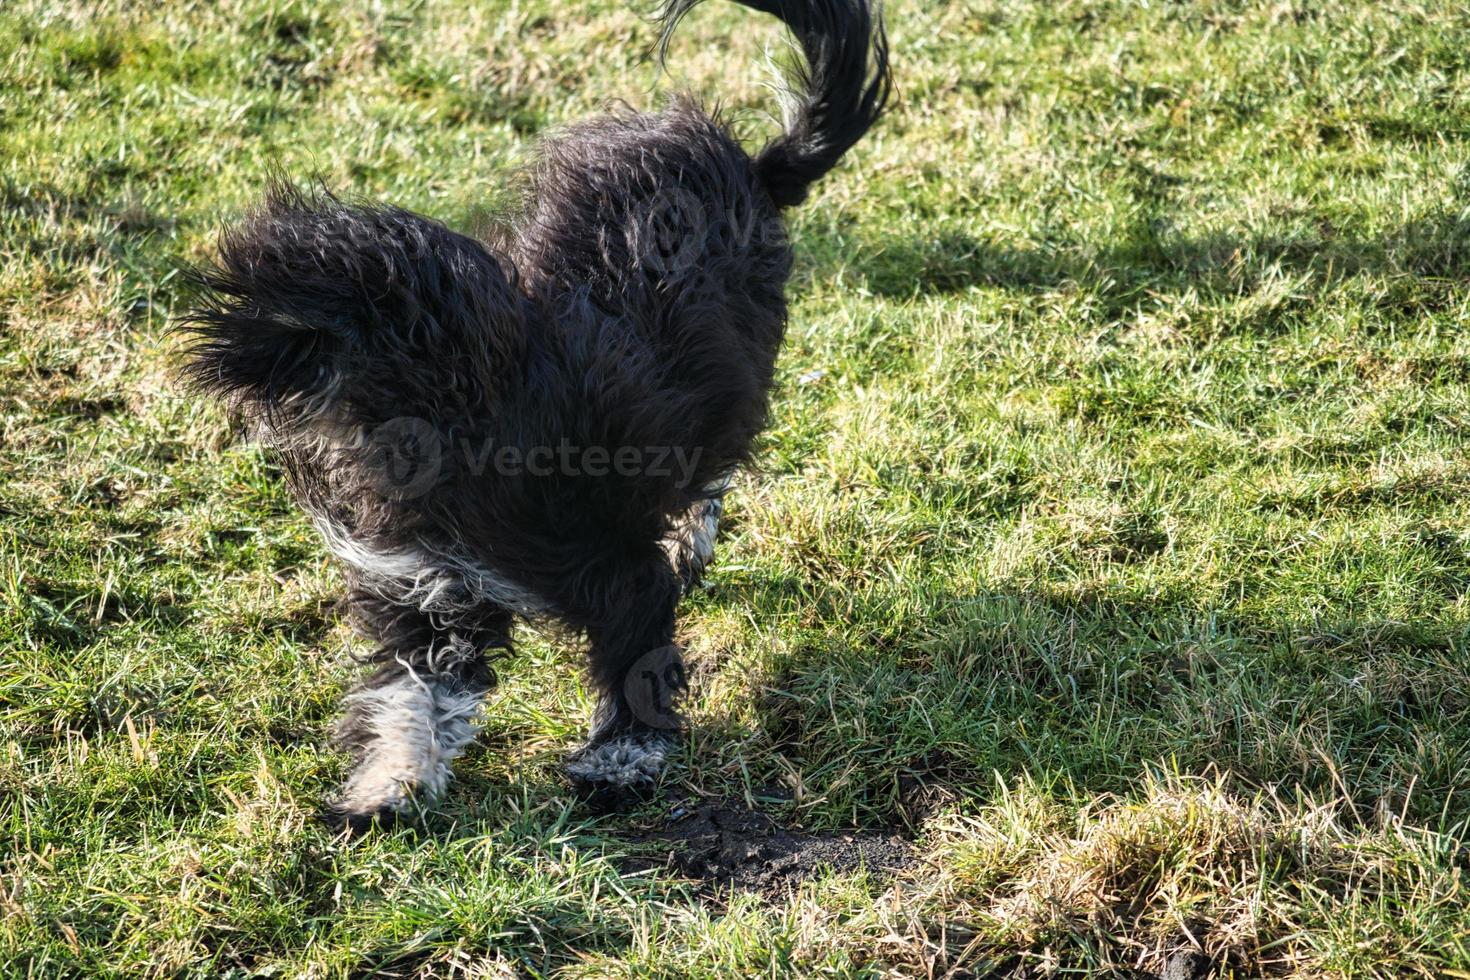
1109, 536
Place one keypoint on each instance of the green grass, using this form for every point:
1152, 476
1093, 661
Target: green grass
1110, 535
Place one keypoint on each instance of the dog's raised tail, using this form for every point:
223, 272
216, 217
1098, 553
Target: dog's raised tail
839, 93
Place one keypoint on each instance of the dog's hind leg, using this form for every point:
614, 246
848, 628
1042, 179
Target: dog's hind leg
407, 722
691, 544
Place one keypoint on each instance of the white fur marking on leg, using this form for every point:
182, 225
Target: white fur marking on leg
431, 580
415, 728
691, 544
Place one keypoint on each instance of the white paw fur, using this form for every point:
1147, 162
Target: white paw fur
409, 732
625, 760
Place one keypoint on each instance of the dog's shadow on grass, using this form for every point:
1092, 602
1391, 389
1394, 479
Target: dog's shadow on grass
900, 706
941, 698
1151, 259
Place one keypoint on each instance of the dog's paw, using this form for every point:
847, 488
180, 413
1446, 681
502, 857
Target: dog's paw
361, 806
405, 731
345, 818
376, 793
622, 763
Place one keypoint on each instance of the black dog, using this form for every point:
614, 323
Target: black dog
539, 425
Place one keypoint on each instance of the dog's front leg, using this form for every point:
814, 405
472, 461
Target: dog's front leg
408, 721
639, 675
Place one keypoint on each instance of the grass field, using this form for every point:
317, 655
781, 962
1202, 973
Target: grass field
1109, 542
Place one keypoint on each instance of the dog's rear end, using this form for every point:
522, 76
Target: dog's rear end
638, 306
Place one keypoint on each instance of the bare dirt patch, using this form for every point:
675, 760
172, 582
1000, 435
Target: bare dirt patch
724, 845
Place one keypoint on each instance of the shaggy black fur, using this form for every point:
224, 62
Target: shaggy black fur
638, 302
